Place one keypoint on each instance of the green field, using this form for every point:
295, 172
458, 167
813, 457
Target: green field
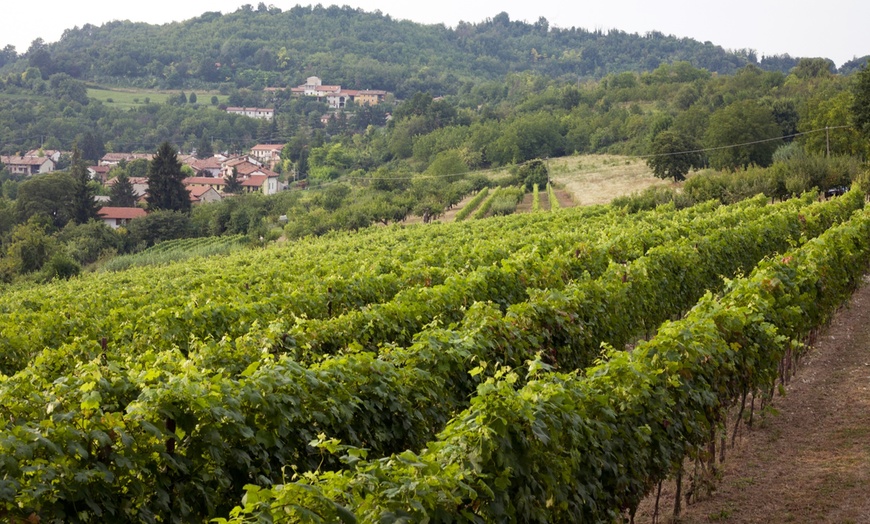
128, 98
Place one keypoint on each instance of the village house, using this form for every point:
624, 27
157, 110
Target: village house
263, 113
340, 99
251, 173
99, 173
335, 96
267, 153
215, 183
203, 194
370, 97
264, 183
116, 217
28, 165
206, 166
113, 159
49, 153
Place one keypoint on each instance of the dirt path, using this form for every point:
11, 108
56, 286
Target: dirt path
809, 461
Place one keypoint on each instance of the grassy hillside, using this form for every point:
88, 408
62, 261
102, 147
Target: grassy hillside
126, 98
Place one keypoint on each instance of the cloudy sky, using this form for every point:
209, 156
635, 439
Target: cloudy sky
835, 29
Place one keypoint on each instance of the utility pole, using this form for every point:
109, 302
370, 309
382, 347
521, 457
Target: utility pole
547, 166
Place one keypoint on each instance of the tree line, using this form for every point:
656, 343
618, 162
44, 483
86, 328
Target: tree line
263, 46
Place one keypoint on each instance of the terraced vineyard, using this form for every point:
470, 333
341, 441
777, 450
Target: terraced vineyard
453, 372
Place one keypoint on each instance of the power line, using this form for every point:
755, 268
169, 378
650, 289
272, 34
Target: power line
825, 129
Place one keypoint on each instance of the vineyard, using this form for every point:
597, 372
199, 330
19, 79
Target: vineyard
541, 367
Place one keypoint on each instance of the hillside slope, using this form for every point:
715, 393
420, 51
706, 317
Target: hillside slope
360, 50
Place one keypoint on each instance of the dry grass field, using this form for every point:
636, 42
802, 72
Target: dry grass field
598, 179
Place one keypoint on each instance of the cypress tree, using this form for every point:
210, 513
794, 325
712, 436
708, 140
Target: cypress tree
83, 203
123, 194
166, 189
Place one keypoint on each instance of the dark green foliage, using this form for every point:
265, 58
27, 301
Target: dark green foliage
86, 243
158, 226
350, 44
204, 148
60, 265
533, 172
30, 246
166, 190
91, 146
861, 100
749, 124
673, 155
84, 207
122, 193
49, 196
234, 183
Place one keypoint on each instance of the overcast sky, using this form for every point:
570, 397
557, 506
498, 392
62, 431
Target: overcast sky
835, 29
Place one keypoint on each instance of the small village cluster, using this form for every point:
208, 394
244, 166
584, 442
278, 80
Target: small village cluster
334, 95
254, 170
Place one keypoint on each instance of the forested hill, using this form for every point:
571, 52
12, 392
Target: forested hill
266, 46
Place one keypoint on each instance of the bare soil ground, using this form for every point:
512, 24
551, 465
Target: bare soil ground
598, 179
525, 206
545, 200
808, 460
450, 214
565, 198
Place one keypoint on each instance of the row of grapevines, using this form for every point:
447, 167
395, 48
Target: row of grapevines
551, 196
588, 446
176, 250
203, 434
536, 199
221, 308
225, 296
481, 211
398, 320
472, 204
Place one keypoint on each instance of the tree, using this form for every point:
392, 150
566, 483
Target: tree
166, 188
84, 207
743, 133
192, 98
122, 193
31, 246
673, 155
158, 226
533, 172
91, 146
204, 148
48, 195
233, 185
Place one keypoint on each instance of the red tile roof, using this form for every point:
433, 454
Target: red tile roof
255, 181
121, 212
204, 181
268, 147
24, 160
206, 163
